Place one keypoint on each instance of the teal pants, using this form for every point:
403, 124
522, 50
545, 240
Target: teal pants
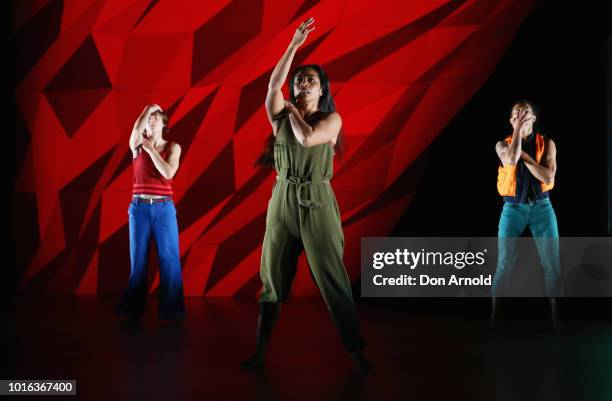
540, 217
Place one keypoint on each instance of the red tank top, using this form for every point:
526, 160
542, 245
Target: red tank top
147, 180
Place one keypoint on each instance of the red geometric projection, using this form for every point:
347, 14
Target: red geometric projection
399, 73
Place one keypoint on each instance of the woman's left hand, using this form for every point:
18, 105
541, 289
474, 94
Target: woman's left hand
289, 106
147, 145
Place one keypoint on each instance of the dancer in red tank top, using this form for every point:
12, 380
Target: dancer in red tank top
152, 213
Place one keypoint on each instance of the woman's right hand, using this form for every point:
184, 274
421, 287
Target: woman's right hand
302, 32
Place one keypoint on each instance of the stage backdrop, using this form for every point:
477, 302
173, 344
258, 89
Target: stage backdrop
86, 69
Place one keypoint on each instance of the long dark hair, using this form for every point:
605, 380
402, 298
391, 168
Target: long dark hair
326, 105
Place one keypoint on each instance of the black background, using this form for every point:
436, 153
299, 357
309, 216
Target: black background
558, 61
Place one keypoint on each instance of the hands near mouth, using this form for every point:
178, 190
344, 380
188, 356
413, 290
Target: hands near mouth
147, 145
521, 119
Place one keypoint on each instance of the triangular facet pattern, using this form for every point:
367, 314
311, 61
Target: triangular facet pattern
399, 73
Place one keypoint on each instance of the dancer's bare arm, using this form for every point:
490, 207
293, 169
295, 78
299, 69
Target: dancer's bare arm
167, 168
139, 126
546, 171
324, 130
509, 154
274, 98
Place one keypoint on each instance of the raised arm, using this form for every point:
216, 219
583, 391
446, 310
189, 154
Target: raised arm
509, 154
274, 98
139, 126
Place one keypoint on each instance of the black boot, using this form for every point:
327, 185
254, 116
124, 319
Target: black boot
130, 320
360, 361
557, 325
494, 322
268, 314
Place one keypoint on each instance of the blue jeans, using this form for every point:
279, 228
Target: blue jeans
542, 221
159, 220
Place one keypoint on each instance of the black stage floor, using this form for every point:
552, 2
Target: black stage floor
420, 349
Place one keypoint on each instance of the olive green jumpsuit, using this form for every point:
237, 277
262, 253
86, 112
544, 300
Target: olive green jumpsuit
303, 215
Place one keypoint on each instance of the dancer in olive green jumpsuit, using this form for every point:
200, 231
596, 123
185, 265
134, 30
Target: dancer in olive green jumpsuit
303, 213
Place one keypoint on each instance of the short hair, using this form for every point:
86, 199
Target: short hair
164, 118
